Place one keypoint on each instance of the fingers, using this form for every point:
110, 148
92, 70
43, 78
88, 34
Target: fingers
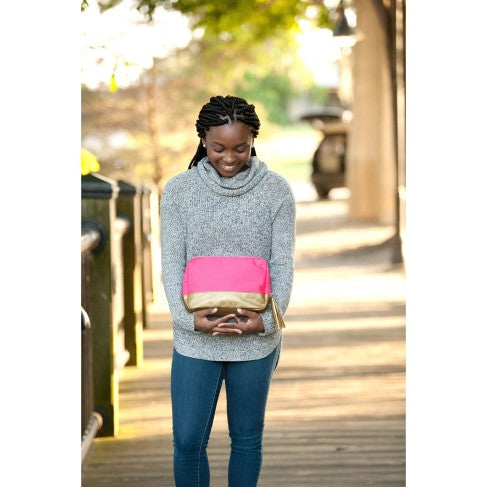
223, 319
203, 313
238, 328
226, 329
222, 326
230, 328
241, 327
202, 321
246, 312
255, 323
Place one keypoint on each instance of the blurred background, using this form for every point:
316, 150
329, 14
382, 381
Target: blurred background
327, 79
148, 67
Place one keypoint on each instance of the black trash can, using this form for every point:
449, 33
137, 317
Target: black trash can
329, 159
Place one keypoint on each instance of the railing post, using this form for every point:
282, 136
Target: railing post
128, 206
91, 421
146, 253
86, 371
105, 295
155, 244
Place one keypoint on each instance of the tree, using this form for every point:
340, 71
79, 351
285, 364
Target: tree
257, 33
156, 116
254, 20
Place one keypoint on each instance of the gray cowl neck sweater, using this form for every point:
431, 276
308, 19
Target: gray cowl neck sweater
250, 214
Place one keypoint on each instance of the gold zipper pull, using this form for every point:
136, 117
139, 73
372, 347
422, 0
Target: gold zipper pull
276, 312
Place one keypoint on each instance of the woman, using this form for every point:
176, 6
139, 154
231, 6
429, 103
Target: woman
227, 204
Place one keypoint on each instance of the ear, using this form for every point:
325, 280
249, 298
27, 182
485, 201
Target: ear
203, 143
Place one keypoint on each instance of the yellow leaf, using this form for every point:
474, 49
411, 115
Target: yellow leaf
89, 162
113, 87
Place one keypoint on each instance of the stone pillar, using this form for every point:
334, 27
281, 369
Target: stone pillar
370, 153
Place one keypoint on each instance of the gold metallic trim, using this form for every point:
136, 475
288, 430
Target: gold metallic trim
226, 301
276, 312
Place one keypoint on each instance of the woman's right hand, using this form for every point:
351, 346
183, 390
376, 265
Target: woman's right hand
202, 323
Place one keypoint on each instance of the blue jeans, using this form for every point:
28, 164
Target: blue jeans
195, 386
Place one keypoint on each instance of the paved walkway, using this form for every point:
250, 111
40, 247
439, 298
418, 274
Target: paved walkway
336, 411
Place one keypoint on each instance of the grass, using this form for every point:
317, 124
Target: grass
289, 150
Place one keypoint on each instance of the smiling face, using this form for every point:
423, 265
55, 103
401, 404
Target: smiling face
228, 147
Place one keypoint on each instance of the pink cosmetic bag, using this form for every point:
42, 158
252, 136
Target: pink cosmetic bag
228, 283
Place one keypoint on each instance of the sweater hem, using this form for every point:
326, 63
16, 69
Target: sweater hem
222, 355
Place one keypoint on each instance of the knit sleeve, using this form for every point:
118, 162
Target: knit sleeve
173, 245
281, 263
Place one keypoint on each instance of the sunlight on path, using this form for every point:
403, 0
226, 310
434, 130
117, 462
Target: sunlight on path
336, 409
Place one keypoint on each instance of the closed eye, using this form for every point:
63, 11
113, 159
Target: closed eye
240, 150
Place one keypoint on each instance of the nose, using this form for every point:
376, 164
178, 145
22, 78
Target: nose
228, 158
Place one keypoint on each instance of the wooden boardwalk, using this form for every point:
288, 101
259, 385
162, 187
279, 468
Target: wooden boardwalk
336, 410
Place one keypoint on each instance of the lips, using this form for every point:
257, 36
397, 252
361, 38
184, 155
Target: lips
229, 167
228, 170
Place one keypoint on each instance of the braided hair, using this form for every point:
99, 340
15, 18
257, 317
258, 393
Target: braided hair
219, 111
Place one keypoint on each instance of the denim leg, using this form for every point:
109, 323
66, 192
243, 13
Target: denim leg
195, 386
247, 386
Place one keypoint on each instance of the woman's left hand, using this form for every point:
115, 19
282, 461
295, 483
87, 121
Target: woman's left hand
254, 324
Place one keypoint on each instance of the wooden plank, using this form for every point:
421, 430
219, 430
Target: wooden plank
336, 409
325, 425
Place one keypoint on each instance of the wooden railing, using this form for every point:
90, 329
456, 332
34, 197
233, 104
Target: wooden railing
116, 289
91, 421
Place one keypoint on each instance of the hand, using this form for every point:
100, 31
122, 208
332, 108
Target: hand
202, 323
254, 324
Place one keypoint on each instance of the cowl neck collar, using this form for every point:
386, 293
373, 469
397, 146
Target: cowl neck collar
236, 185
